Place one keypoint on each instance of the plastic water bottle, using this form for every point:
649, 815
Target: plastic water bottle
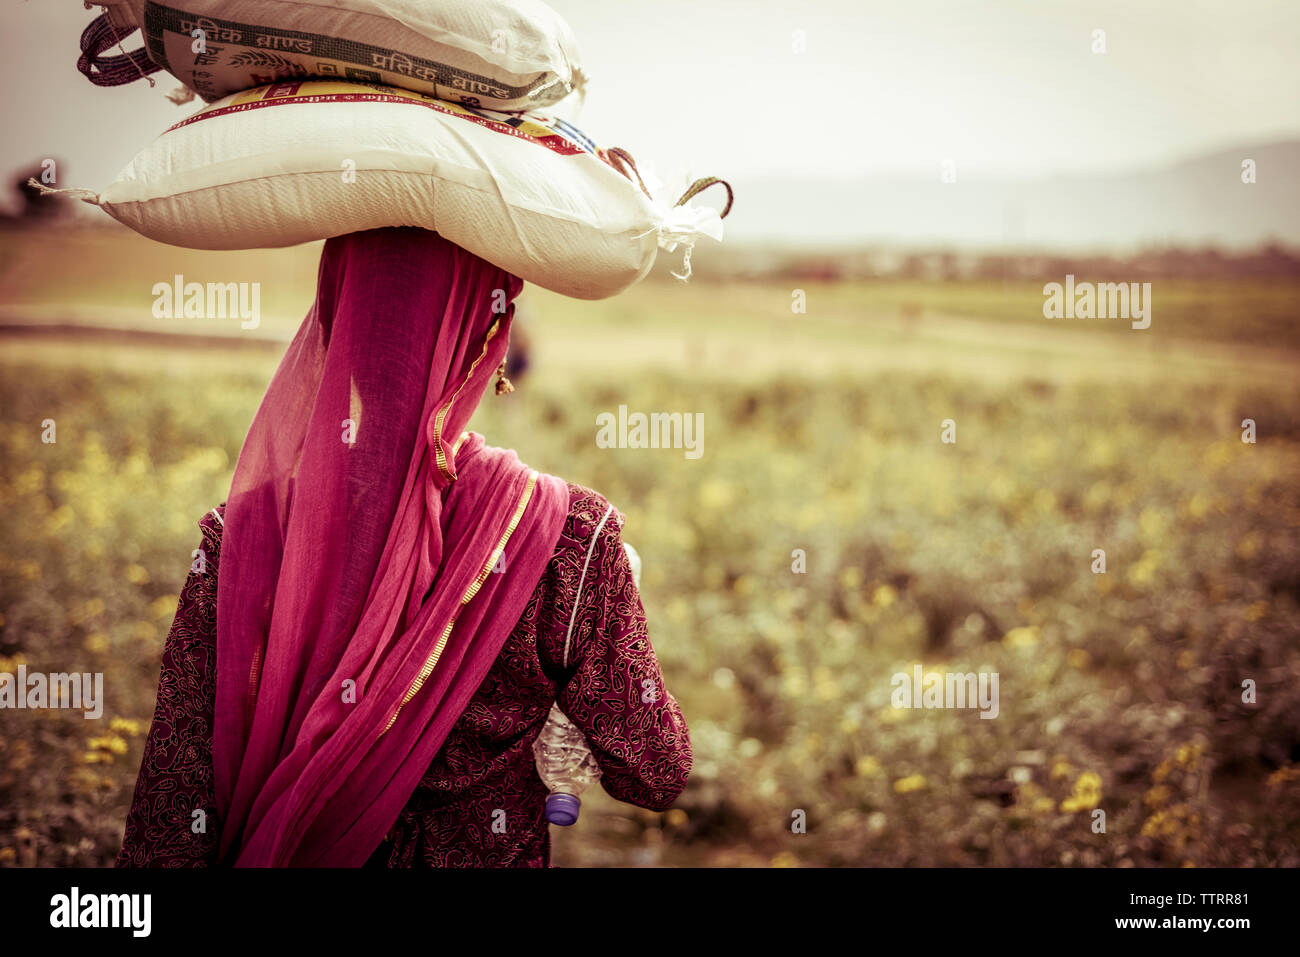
564, 762
566, 766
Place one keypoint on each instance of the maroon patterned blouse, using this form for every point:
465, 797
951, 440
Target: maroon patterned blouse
486, 764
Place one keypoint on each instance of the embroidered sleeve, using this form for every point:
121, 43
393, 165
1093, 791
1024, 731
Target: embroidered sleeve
615, 691
175, 780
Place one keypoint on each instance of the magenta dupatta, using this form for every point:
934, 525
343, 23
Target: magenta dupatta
374, 561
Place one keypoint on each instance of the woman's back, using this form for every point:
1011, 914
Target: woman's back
480, 803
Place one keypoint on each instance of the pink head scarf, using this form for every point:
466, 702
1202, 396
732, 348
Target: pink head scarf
374, 559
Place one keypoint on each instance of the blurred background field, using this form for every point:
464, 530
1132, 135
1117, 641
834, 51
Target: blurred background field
1120, 691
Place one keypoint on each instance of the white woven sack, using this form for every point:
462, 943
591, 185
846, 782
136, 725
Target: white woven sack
502, 54
294, 162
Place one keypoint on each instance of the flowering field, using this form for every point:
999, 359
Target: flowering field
826, 540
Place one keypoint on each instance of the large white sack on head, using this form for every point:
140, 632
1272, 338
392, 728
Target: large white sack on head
502, 54
293, 162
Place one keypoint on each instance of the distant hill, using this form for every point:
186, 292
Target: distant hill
1200, 201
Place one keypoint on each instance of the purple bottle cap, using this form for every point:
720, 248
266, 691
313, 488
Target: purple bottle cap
562, 809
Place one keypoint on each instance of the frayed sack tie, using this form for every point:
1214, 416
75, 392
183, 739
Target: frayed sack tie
683, 225
679, 224
81, 192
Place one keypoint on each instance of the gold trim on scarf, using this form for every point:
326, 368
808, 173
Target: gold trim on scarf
470, 592
439, 457
254, 680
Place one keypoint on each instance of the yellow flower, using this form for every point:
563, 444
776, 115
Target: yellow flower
1220, 454
1177, 824
1087, 793
1101, 451
1144, 572
1157, 796
109, 742
126, 726
92, 607
913, 782
825, 686
884, 596
890, 715
1284, 776
1097, 495
866, 766
162, 606
1152, 523
793, 682
137, 574
1024, 637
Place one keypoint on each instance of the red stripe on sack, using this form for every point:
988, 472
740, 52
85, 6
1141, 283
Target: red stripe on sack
555, 142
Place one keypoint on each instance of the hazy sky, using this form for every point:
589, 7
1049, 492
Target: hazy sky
1002, 87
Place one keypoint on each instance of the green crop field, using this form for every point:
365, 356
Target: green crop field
1120, 691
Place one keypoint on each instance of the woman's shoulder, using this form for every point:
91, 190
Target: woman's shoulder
589, 566
212, 524
591, 516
